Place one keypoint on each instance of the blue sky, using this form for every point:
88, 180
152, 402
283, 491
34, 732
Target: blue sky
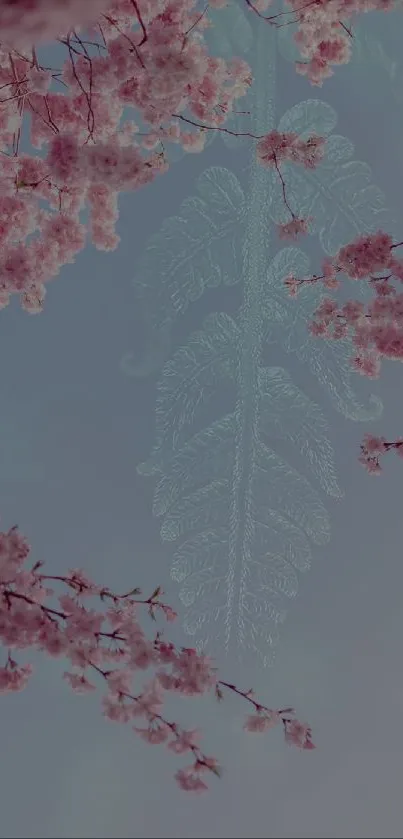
74, 427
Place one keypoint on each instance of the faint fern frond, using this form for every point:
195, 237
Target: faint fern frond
241, 516
236, 600
286, 413
193, 251
241, 607
230, 32
192, 377
207, 455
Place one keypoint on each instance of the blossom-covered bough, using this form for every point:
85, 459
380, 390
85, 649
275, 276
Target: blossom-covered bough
99, 633
148, 57
376, 328
137, 77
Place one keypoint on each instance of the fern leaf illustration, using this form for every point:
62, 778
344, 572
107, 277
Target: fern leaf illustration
291, 517
193, 251
192, 377
231, 32
195, 478
287, 413
242, 518
207, 455
276, 480
206, 506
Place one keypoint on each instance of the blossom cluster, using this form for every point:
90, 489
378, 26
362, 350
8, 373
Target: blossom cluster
376, 328
107, 642
148, 56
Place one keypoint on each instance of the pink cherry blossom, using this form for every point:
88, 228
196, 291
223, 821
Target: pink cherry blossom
151, 58
292, 229
110, 645
262, 722
12, 678
323, 35
377, 329
185, 741
373, 447
154, 60
189, 780
154, 735
79, 682
298, 734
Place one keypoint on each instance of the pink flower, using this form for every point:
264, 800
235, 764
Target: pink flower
318, 329
189, 781
120, 681
155, 735
53, 641
150, 701
14, 679
67, 234
368, 364
262, 722
399, 446
169, 613
292, 284
274, 147
374, 445
293, 228
71, 630
184, 741
298, 734
366, 255
194, 671
116, 710
65, 159
40, 80
79, 682
166, 652
32, 298
371, 464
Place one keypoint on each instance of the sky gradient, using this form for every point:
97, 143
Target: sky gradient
73, 428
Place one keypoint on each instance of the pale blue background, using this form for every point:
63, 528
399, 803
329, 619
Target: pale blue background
73, 428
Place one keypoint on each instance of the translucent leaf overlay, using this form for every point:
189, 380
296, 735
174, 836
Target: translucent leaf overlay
239, 492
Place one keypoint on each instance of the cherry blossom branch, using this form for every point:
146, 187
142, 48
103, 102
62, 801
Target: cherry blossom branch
91, 157
92, 640
376, 330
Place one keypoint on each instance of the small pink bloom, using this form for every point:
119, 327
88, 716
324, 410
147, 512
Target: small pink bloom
14, 679
120, 681
293, 228
169, 613
189, 781
79, 682
155, 735
184, 741
115, 710
298, 734
262, 722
